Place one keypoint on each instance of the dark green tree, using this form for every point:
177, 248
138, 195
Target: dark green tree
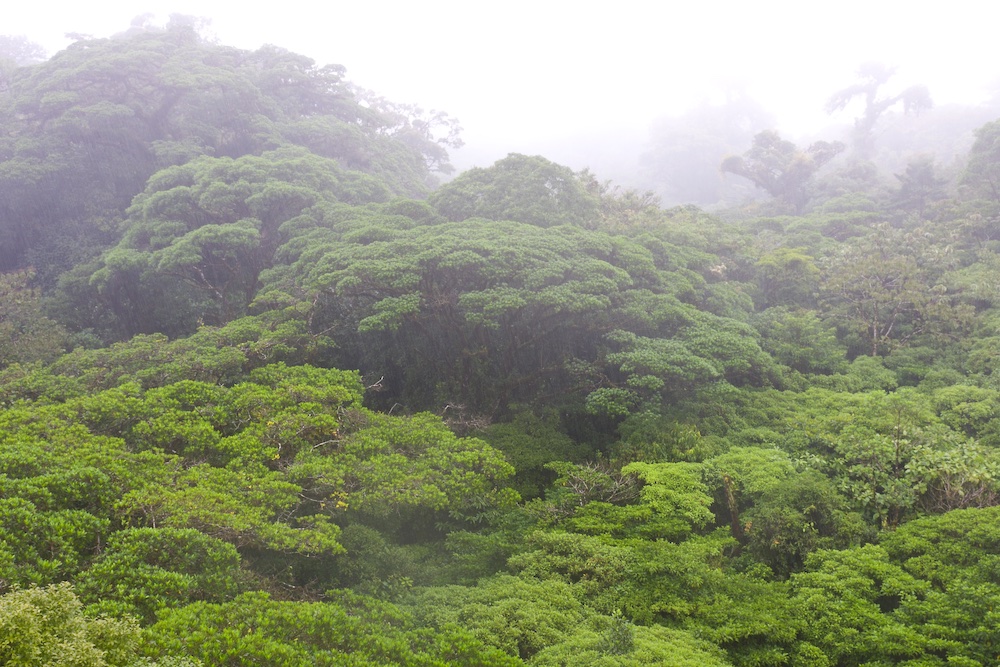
466, 313
200, 234
26, 334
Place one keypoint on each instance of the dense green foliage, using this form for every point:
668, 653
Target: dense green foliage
269, 397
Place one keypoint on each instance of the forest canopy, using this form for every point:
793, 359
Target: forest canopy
271, 392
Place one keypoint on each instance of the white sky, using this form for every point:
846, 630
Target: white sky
521, 72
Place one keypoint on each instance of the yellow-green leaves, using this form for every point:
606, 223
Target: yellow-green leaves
394, 465
675, 491
45, 627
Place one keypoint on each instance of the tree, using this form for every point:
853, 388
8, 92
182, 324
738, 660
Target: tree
144, 570
594, 646
882, 284
879, 454
982, 174
699, 349
531, 440
87, 128
523, 188
681, 161
919, 186
429, 133
956, 554
46, 627
201, 234
622, 208
846, 598
42, 543
26, 334
465, 313
873, 76
518, 615
400, 467
223, 356
787, 277
955, 474
673, 503
20, 50
345, 630
780, 168
800, 340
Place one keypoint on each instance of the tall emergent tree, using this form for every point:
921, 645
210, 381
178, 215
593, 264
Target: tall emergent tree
872, 77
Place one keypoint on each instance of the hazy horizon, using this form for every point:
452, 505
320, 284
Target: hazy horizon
539, 75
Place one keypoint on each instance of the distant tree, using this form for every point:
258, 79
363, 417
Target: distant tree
20, 50
919, 186
780, 168
622, 208
873, 76
982, 175
431, 133
681, 162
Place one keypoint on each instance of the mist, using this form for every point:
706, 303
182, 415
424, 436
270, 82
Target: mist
685, 351
634, 93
